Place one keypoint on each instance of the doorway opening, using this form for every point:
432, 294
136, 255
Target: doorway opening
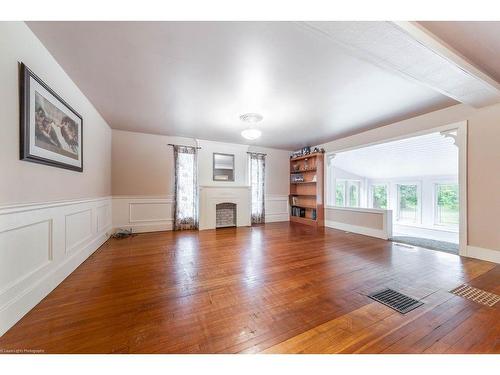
418, 181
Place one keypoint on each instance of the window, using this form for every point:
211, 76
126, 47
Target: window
408, 203
340, 194
347, 193
353, 188
447, 211
186, 188
379, 196
257, 180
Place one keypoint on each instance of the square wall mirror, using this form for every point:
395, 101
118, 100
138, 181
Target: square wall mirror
223, 167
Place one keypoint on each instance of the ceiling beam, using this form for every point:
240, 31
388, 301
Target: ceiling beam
411, 51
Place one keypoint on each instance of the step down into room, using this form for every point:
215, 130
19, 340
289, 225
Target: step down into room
395, 300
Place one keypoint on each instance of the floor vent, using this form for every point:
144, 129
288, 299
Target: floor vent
476, 295
396, 300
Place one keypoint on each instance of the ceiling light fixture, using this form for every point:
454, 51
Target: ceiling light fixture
251, 133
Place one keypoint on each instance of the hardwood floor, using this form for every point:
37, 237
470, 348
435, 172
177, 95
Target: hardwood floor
275, 288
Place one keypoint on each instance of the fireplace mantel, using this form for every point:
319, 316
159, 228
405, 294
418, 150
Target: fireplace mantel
210, 196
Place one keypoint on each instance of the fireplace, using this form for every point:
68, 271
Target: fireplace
211, 199
225, 215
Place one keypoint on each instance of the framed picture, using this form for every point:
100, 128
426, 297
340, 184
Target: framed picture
51, 131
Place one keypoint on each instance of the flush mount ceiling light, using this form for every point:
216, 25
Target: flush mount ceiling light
251, 134
251, 117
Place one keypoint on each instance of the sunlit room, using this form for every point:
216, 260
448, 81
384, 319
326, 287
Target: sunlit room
233, 184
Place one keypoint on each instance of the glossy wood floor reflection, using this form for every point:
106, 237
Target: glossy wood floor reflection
275, 288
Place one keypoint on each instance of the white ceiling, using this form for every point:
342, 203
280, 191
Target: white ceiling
195, 79
426, 155
478, 41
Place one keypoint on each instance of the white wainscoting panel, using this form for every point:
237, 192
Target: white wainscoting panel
277, 208
40, 245
155, 213
143, 213
78, 229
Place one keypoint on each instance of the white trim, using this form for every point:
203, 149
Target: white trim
435, 207
483, 254
370, 191
167, 225
418, 184
431, 41
23, 207
462, 186
358, 209
169, 197
378, 233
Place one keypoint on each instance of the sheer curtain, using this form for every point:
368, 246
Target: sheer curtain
257, 178
186, 188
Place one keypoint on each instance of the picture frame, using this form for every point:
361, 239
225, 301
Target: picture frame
51, 131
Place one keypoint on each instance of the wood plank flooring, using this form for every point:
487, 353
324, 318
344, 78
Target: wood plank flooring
274, 288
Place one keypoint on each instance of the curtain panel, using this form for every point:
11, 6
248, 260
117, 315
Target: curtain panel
186, 188
257, 181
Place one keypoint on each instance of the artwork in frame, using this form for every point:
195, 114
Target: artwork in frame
51, 131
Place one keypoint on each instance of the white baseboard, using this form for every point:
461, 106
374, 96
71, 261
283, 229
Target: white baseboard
378, 233
46, 242
483, 254
145, 228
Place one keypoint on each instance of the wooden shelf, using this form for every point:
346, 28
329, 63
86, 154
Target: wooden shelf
309, 194
307, 156
303, 220
304, 171
305, 206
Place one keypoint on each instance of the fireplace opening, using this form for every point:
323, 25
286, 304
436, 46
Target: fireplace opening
225, 215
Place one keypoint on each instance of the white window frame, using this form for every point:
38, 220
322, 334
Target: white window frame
388, 193
419, 202
342, 182
346, 182
435, 202
350, 183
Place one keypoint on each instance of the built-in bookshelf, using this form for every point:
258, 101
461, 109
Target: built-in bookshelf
306, 189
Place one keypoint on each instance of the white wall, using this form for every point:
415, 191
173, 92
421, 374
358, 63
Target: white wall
205, 163
41, 243
31, 182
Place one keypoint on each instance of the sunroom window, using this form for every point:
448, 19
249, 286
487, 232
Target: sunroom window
447, 203
408, 203
379, 196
